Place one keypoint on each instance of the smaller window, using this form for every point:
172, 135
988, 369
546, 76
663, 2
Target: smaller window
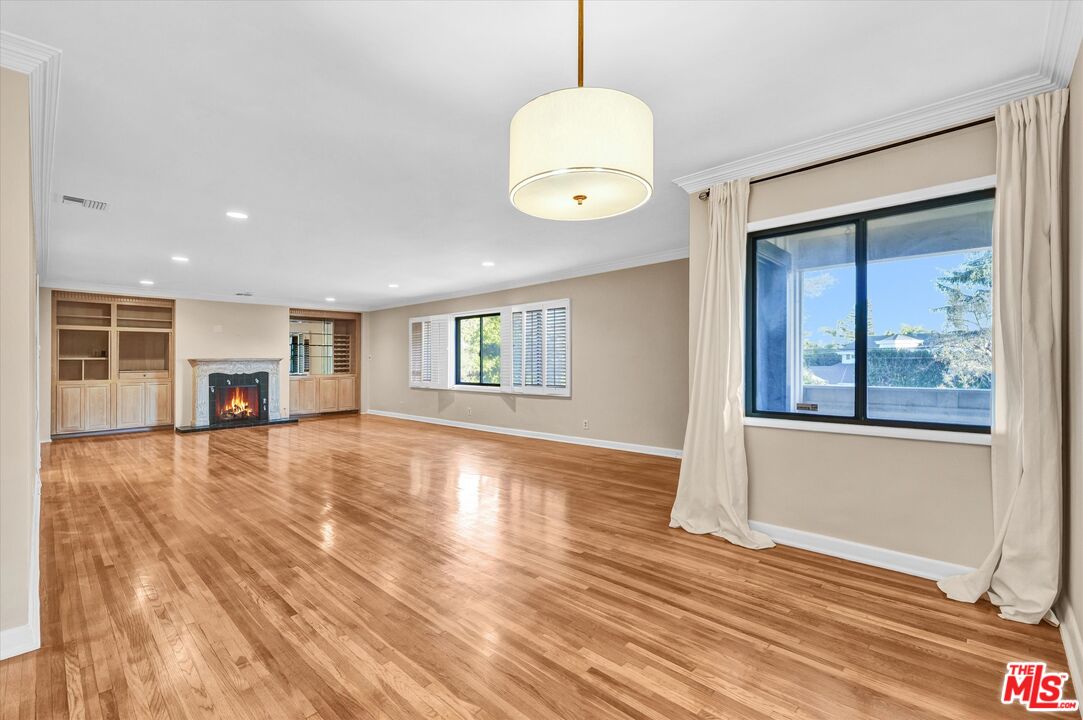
477, 355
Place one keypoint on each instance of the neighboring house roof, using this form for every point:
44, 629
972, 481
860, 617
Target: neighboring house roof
895, 340
901, 342
838, 374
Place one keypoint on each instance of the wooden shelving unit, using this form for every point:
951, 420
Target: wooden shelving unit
112, 362
324, 352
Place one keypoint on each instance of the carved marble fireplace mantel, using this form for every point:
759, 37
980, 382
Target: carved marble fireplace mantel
202, 369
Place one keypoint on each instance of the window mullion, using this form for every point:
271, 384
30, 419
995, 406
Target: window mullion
861, 323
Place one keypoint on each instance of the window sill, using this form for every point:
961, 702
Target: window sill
494, 390
478, 388
945, 436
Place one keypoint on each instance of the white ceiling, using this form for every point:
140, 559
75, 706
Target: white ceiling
368, 141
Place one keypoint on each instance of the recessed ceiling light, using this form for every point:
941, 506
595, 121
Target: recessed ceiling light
179, 259
487, 263
393, 285
329, 299
146, 282
237, 215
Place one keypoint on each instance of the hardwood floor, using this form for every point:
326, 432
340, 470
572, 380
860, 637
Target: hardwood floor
362, 567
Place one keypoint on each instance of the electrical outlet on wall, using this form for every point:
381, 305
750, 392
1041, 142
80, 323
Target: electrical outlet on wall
586, 425
469, 411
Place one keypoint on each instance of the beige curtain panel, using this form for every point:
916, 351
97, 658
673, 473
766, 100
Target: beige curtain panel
1022, 571
712, 494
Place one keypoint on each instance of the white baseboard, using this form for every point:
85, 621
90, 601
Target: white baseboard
1072, 636
18, 640
866, 554
573, 439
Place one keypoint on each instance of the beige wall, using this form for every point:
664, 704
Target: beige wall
629, 363
18, 354
924, 498
1074, 537
45, 364
228, 330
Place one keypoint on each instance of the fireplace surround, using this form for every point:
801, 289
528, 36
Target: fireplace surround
246, 388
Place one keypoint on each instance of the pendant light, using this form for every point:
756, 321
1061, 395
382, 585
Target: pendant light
582, 153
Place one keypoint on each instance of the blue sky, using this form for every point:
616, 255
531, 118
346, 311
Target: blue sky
900, 291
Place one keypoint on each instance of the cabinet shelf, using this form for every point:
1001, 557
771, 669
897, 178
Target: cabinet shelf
112, 362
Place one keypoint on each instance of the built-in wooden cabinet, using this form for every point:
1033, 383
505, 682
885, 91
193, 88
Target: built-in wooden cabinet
329, 393
324, 361
83, 407
112, 362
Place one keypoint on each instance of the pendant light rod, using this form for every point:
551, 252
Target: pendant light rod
580, 43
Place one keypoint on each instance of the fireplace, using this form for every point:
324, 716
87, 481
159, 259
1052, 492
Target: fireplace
237, 399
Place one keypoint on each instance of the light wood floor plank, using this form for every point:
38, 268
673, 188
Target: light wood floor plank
364, 567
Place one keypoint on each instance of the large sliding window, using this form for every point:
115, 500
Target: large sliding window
883, 318
477, 356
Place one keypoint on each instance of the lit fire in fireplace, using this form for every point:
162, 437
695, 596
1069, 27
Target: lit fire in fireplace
236, 405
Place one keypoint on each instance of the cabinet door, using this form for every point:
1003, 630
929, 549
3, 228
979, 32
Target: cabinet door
328, 394
98, 408
159, 403
347, 393
130, 405
295, 396
308, 396
69, 408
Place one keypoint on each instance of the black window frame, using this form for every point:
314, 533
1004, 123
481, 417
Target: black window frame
859, 221
458, 349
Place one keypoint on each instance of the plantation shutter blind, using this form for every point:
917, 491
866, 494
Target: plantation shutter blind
429, 352
517, 349
538, 344
417, 353
556, 347
506, 344
533, 352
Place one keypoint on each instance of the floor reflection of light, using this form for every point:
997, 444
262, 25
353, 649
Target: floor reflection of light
145, 591
328, 536
469, 492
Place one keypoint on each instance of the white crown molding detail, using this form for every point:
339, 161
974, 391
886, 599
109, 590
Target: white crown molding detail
663, 256
581, 271
533, 434
916, 565
177, 294
1064, 32
42, 64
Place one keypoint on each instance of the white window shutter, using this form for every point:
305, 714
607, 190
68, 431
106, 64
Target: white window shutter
417, 333
426, 351
533, 347
506, 348
516, 348
429, 352
556, 347
442, 348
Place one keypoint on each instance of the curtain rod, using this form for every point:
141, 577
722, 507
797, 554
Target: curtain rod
707, 193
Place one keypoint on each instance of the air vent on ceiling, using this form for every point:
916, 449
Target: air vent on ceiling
88, 204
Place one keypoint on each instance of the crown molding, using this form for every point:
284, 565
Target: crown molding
62, 285
42, 64
1064, 31
679, 253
